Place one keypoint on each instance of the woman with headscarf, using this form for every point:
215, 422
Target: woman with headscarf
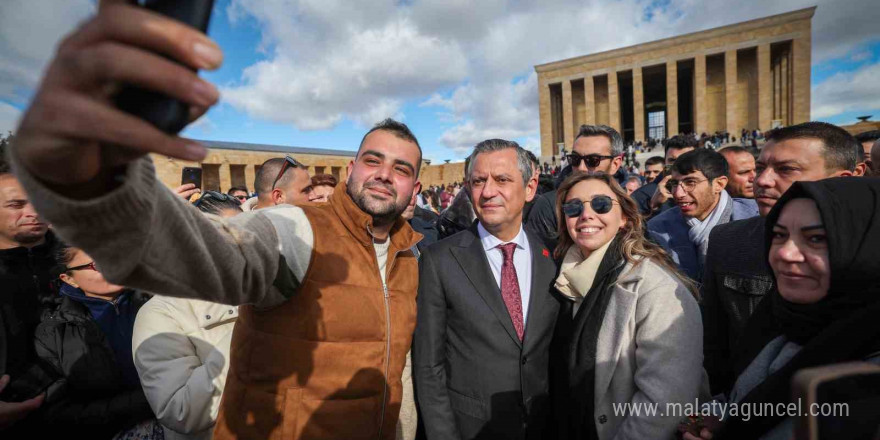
629, 333
821, 244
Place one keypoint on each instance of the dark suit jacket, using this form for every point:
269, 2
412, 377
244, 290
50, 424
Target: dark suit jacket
735, 279
474, 379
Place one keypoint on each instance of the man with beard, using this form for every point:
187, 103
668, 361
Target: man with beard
26, 260
696, 184
741, 177
736, 276
327, 291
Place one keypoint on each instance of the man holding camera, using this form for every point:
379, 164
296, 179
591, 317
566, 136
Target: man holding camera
327, 291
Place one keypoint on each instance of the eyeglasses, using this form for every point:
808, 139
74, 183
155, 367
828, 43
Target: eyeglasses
216, 196
90, 266
241, 198
599, 204
687, 184
592, 160
288, 162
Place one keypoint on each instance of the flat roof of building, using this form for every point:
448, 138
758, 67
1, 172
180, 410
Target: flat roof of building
276, 148
735, 28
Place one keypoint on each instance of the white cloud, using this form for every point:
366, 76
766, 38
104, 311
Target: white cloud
847, 91
8, 118
29, 32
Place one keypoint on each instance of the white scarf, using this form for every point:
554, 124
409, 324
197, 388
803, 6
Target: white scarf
699, 230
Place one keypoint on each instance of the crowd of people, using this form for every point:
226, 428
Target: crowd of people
515, 304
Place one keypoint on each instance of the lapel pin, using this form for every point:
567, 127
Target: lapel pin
545, 253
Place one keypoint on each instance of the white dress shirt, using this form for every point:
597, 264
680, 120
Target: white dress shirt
522, 261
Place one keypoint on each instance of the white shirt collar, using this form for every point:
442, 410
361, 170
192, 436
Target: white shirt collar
490, 241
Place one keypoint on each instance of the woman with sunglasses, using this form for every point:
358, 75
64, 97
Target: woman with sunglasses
86, 342
629, 330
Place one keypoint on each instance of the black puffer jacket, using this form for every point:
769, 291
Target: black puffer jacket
26, 290
90, 398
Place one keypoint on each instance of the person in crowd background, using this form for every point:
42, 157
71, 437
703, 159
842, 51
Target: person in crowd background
596, 149
696, 183
734, 283
26, 291
653, 198
866, 141
629, 327
875, 158
825, 305
283, 180
485, 320
323, 186
213, 202
86, 341
653, 168
239, 192
632, 184
741, 174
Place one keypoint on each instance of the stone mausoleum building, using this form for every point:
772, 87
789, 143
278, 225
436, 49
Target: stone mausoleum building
752, 75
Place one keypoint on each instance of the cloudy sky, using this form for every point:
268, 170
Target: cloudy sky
317, 73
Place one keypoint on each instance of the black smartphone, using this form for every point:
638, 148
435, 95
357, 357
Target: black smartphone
191, 175
167, 114
838, 401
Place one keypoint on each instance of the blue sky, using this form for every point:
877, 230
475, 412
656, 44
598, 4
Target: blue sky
318, 73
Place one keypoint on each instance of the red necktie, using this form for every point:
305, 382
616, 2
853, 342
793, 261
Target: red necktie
510, 288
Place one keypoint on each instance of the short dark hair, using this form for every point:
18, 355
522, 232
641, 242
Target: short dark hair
400, 130
680, 141
654, 161
268, 172
534, 159
842, 151
736, 149
711, 163
237, 188
868, 136
602, 130
324, 180
215, 205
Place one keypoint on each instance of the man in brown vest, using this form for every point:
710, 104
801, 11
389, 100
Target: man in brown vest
327, 291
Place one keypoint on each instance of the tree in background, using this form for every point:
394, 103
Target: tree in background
5, 139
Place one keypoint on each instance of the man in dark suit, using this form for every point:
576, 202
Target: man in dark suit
481, 351
736, 275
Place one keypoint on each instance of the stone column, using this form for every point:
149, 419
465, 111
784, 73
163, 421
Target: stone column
567, 115
250, 175
765, 88
801, 48
589, 101
671, 98
785, 89
732, 98
700, 119
613, 102
546, 115
225, 177
638, 104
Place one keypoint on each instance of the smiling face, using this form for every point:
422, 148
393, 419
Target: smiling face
590, 231
701, 200
19, 223
382, 179
499, 193
799, 253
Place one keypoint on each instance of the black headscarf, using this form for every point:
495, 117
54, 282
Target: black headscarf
843, 325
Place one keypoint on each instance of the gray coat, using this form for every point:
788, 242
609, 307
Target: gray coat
649, 351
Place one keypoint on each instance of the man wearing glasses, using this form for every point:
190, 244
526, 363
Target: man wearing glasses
283, 181
596, 149
696, 184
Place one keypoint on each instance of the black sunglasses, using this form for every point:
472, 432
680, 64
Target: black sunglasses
90, 266
592, 160
288, 162
600, 205
216, 196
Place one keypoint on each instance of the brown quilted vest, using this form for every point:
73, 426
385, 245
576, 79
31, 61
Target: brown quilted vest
327, 363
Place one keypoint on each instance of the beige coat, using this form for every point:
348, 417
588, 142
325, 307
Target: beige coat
650, 350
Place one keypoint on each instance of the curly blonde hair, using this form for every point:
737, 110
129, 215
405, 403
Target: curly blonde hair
634, 246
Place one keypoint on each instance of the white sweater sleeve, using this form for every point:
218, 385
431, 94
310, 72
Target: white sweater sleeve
180, 387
